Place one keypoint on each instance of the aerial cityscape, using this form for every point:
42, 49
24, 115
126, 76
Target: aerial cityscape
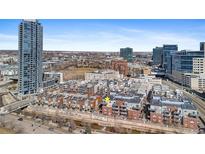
102, 76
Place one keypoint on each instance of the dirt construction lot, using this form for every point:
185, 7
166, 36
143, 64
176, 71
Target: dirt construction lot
75, 73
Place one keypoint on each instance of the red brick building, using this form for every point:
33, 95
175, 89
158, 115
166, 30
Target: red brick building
189, 122
134, 114
120, 65
90, 91
107, 110
156, 117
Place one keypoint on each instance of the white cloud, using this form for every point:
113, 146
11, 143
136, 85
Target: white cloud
5, 37
139, 39
183, 41
100, 40
132, 30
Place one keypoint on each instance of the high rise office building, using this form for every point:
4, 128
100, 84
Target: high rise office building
182, 62
157, 55
167, 51
198, 65
30, 57
202, 46
127, 54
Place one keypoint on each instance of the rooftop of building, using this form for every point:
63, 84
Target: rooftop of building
105, 71
53, 72
7, 66
177, 102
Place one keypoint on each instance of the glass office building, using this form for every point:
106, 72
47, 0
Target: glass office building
169, 63
157, 55
30, 57
182, 62
127, 54
202, 46
167, 50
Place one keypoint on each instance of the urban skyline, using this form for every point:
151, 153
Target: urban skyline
92, 92
109, 34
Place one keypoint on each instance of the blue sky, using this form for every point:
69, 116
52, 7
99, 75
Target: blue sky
110, 35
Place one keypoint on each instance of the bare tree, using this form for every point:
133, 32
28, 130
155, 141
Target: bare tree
18, 130
71, 125
88, 129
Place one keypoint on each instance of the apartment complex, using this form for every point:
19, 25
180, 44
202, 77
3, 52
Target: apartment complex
171, 107
136, 99
30, 57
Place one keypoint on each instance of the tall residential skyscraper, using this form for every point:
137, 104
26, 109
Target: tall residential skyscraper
127, 54
30, 57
